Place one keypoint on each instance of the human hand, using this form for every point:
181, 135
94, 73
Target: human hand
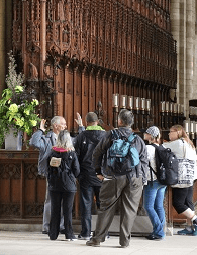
79, 120
42, 123
101, 178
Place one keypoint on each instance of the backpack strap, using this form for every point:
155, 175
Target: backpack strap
151, 174
118, 135
151, 169
115, 134
154, 145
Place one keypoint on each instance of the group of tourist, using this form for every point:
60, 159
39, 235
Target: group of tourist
63, 160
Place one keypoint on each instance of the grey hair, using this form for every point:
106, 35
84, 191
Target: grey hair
126, 117
64, 140
55, 120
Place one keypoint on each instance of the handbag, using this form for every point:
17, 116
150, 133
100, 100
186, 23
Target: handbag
186, 169
55, 162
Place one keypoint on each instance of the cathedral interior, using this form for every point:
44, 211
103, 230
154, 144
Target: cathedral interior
101, 56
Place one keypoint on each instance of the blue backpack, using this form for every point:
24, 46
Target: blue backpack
122, 157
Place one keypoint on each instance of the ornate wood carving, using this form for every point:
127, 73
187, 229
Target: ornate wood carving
67, 47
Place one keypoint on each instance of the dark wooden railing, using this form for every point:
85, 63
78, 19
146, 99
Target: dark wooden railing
22, 190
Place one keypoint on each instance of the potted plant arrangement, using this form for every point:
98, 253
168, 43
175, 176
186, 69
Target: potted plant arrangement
17, 111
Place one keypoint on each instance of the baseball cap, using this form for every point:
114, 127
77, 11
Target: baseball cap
153, 131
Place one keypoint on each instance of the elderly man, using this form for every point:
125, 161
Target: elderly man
44, 143
124, 188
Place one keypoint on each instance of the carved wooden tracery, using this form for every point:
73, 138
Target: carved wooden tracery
76, 53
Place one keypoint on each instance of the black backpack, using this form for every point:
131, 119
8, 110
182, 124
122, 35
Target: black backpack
166, 164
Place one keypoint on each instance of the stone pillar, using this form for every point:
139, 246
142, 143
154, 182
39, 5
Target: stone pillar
183, 17
178, 30
2, 45
190, 40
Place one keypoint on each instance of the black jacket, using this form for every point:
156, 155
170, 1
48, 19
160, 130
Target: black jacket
63, 178
84, 145
100, 155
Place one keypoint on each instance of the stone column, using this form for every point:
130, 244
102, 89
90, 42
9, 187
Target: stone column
178, 30
190, 39
183, 17
2, 45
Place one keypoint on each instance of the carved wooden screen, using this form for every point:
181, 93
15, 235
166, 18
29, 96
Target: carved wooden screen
76, 53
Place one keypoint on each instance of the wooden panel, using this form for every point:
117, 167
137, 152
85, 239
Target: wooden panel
84, 95
18, 185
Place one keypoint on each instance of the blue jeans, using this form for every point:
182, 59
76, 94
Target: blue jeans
86, 200
153, 198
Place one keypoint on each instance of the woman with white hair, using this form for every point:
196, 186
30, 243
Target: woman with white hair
63, 168
154, 191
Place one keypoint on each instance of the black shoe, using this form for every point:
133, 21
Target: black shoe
63, 231
155, 238
44, 232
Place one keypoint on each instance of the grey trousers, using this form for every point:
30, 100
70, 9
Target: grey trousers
126, 194
47, 212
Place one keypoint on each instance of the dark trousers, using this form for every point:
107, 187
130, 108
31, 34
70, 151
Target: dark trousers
86, 200
57, 198
182, 199
128, 193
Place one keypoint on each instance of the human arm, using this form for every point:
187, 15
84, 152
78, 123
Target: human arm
100, 176
79, 120
142, 150
75, 165
80, 123
42, 124
99, 151
37, 138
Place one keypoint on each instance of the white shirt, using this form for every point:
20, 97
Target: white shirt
183, 150
152, 160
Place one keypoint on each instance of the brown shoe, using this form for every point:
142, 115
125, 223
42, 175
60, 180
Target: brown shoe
93, 242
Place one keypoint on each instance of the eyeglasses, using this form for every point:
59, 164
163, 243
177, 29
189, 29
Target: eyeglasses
173, 131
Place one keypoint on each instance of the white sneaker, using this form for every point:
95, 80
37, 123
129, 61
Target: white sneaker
73, 238
80, 237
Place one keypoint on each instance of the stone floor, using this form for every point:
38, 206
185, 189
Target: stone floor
35, 243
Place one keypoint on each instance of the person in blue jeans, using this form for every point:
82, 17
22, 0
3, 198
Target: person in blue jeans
154, 192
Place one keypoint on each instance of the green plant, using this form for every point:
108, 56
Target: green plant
16, 110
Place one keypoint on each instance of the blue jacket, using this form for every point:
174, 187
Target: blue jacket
44, 143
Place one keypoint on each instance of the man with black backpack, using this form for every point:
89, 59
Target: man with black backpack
89, 183
119, 188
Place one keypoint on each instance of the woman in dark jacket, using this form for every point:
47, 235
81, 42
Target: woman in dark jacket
63, 168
